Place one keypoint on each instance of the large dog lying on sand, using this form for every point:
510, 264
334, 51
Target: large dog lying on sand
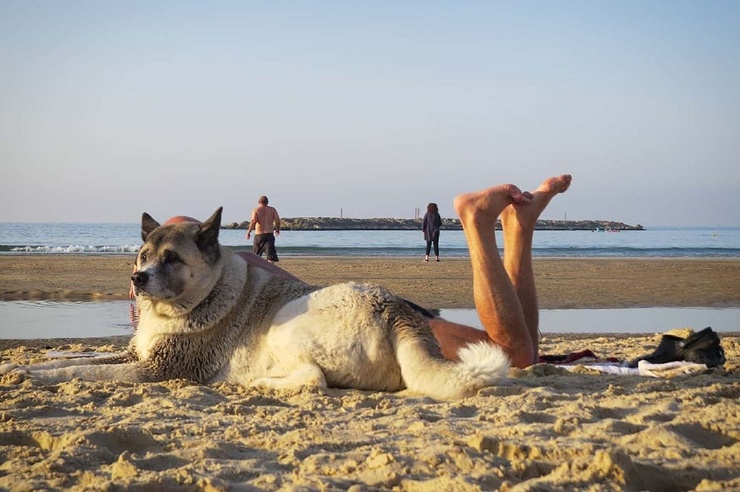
207, 315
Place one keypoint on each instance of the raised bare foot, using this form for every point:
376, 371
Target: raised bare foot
483, 207
526, 216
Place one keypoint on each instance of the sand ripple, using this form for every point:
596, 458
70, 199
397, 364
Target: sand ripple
547, 429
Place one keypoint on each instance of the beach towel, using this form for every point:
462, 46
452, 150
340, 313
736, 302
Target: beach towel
644, 368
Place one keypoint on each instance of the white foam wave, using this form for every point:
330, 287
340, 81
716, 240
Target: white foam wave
76, 249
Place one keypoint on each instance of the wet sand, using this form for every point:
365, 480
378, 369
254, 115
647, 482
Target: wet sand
544, 429
561, 283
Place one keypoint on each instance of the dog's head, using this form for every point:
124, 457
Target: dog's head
178, 262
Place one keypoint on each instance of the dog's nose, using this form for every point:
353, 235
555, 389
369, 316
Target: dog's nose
140, 278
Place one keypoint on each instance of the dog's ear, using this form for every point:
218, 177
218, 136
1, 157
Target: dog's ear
208, 232
148, 224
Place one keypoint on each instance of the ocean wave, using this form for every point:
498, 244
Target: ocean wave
537, 252
69, 249
636, 252
402, 251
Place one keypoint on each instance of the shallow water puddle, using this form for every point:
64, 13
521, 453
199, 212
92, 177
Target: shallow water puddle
85, 319
639, 320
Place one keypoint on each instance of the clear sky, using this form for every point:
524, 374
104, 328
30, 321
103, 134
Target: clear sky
368, 108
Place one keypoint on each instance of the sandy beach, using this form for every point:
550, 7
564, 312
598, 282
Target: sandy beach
545, 428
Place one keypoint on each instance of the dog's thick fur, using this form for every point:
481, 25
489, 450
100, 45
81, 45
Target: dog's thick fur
207, 315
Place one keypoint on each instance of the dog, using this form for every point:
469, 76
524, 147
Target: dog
207, 315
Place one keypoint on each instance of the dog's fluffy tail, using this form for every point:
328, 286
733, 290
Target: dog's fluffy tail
480, 365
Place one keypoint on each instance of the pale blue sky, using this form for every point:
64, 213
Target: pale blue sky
109, 109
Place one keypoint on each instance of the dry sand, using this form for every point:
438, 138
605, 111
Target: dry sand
546, 429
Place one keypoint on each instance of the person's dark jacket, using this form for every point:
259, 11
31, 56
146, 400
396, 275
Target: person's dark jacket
431, 225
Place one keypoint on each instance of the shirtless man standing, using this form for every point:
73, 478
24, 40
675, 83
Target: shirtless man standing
266, 224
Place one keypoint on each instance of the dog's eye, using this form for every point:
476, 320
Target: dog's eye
142, 258
172, 257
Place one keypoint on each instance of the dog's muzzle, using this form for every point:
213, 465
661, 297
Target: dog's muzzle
140, 279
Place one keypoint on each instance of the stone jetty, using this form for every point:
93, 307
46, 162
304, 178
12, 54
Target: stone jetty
389, 224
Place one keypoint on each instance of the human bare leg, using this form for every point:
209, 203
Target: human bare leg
452, 336
495, 297
518, 223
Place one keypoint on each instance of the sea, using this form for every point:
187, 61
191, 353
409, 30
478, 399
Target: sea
67, 319
654, 242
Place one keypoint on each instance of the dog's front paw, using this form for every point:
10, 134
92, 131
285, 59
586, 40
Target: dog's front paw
7, 368
12, 374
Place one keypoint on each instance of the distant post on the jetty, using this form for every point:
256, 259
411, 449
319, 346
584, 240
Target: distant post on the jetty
416, 213
341, 213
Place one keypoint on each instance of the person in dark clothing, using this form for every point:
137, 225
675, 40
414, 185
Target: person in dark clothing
430, 226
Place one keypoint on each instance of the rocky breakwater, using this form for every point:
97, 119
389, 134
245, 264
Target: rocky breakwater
389, 224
